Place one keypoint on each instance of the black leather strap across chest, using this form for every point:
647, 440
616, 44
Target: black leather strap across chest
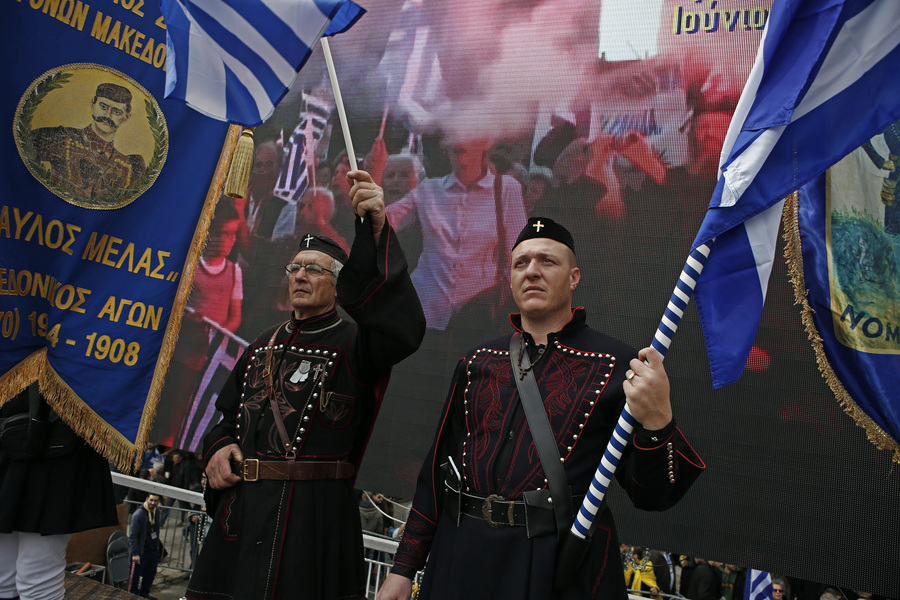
542, 433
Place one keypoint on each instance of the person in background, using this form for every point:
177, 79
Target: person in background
733, 579
151, 455
261, 205
316, 212
664, 569
216, 302
780, 588
145, 545
706, 581
470, 213
639, 573
370, 506
688, 566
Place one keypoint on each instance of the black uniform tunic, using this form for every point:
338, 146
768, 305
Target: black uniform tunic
580, 375
290, 539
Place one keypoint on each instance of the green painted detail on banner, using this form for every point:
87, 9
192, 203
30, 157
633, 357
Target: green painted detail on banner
864, 259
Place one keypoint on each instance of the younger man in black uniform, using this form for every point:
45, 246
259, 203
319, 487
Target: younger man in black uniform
498, 547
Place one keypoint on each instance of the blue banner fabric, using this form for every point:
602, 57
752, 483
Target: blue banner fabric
847, 227
106, 199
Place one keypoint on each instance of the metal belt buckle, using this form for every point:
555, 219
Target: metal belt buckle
487, 513
250, 469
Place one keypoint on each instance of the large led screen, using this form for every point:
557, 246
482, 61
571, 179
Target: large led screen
609, 118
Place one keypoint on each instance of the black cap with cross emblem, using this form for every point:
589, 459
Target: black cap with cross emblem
323, 244
542, 227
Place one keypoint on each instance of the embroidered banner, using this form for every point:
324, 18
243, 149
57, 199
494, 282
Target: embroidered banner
106, 200
848, 228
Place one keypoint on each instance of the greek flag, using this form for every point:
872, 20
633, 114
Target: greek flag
224, 350
302, 148
234, 60
758, 585
824, 82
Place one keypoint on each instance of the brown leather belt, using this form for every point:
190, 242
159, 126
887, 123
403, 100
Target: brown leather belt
252, 469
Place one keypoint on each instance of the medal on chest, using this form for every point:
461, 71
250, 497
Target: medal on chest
299, 380
303, 371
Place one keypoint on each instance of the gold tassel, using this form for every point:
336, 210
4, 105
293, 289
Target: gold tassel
241, 162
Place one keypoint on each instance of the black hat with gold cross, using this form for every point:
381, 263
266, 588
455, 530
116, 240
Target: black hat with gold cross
542, 227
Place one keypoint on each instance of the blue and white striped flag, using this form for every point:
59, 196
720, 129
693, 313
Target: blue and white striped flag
825, 81
300, 153
758, 585
234, 60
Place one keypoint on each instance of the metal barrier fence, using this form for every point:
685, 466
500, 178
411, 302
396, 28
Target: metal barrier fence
379, 560
184, 526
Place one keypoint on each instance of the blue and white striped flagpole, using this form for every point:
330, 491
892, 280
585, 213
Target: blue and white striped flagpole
684, 289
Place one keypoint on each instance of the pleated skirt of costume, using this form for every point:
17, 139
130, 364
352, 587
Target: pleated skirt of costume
53, 496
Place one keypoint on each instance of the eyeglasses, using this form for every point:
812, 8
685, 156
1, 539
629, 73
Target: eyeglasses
311, 269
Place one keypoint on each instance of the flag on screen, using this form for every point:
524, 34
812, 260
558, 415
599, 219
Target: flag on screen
224, 350
823, 83
234, 60
302, 147
758, 585
410, 67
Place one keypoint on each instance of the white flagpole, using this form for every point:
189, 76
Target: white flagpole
339, 103
342, 116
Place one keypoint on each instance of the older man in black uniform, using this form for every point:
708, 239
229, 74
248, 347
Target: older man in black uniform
497, 547
285, 520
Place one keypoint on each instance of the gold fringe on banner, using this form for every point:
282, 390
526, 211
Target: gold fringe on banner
241, 163
102, 437
106, 440
794, 258
21, 376
184, 290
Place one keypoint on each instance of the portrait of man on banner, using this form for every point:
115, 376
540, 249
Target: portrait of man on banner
90, 135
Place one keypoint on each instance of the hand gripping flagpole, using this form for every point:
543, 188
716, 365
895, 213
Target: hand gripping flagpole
573, 546
681, 296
